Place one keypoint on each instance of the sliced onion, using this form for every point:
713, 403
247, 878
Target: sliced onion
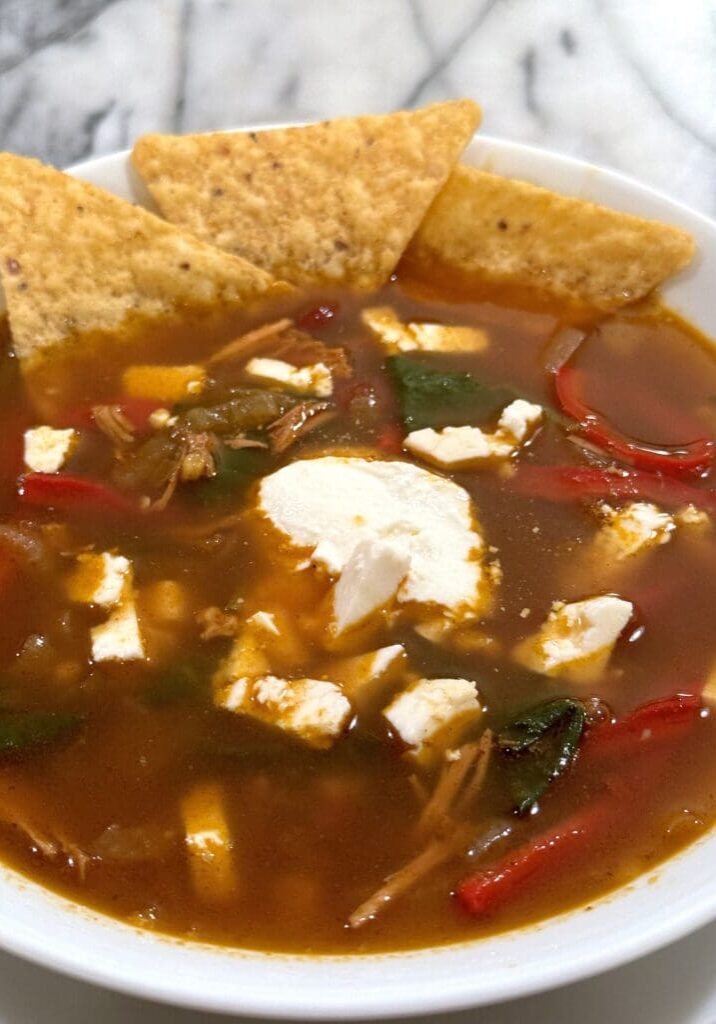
561, 347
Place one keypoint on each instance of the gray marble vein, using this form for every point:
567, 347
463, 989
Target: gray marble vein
622, 82
627, 83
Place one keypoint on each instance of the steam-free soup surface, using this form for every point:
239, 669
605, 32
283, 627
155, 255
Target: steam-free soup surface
101, 760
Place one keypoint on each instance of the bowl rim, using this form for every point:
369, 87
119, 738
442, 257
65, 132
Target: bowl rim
400, 992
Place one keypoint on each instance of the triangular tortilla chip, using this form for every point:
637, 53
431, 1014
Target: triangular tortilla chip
330, 203
513, 232
76, 259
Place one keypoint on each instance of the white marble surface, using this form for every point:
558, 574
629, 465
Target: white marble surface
627, 83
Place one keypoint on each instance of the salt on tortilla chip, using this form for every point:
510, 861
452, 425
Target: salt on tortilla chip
514, 232
76, 259
329, 203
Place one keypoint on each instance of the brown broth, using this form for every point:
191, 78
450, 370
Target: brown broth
316, 832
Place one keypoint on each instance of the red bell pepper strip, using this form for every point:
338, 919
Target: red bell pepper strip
647, 726
692, 459
645, 730
486, 891
570, 483
73, 493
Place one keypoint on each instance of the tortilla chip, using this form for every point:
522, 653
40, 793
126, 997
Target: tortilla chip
517, 233
330, 203
75, 259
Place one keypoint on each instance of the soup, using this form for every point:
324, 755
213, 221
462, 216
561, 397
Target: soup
355, 536
126, 782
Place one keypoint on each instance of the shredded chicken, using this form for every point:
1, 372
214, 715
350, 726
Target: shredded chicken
191, 459
304, 417
198, 457
285, 342
53, 847
441, 823
247, 344
239, 442
301, 349
160, 503
435, 853
436, 812
215, 622
111, 421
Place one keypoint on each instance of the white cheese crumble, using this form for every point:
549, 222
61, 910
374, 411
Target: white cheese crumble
315, 710
100, 578
361, 675
47, 449
632, 530
519, 420
397, 337
692, 516
105, 579
369, 580
455, 447
432, 711
331, 504
459, 447
315, 379
265, 621
577, 639
119, 638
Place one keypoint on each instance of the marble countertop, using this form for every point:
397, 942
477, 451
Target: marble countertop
624, 83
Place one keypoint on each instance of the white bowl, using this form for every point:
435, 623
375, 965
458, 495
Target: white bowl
630, 923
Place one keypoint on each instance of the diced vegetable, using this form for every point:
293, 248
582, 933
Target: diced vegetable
166, 601
543, 742
64, 492
209, 843
570, 483
246, 409
169, 383
436, 398
21, 731
692, 459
